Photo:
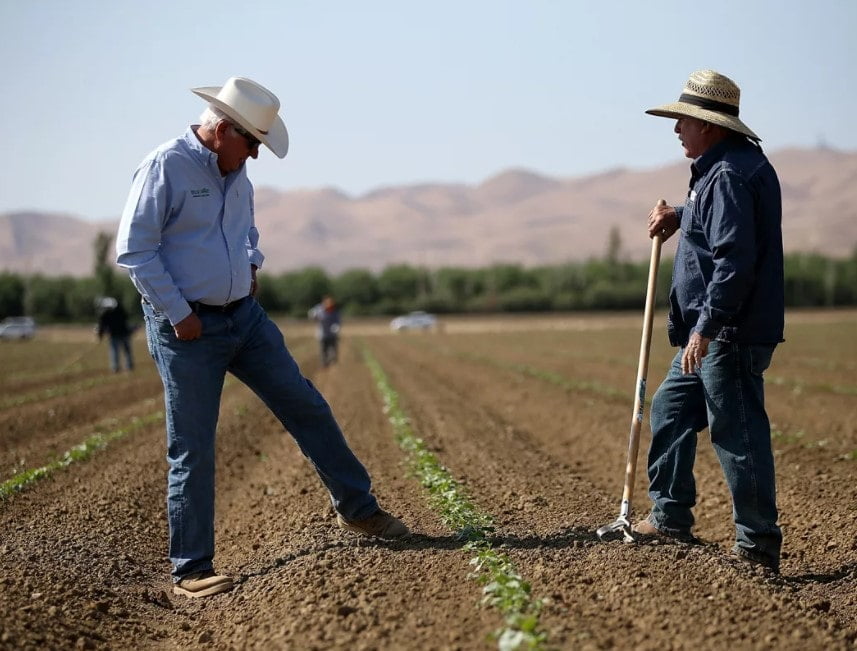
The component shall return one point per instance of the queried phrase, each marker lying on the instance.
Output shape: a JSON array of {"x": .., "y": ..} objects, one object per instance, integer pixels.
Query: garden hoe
[{"x": 623, "y": 524}]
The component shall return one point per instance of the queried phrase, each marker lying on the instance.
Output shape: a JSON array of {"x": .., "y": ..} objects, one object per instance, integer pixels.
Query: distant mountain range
[{"x": 516, "y": 216}]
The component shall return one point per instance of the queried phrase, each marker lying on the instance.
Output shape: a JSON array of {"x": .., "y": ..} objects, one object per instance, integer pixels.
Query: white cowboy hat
[
  {"x": 710, "y": 97},
  {"x": 253, "y": 107}
]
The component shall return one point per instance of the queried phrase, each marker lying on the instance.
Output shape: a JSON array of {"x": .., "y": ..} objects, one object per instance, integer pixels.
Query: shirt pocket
[
  {"x": 692, "y": 279},
  {"x": 690, "y": 222}
]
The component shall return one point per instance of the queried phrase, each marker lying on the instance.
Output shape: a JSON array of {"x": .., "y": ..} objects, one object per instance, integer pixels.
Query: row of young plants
[
  {"x": 502, "y": 585},
  {"x": 798, "y": 386},
  {"x": 93, "y": 444},
  {"x": 612, "y": 394},
  {"x": 54, "y": 391},
  {"x": 551, "y": 377}
]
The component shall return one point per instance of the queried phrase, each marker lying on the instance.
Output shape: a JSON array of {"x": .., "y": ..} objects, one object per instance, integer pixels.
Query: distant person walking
[
  {"x": 326, "y": 315},
  {"x": 113, "y": 322},
  {"x": 726, "y": 314},
  {"x": 188, "y": 239}
]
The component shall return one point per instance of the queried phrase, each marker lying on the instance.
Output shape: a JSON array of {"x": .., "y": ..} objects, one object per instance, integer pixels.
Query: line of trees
[{"x": 604, "y": 284}]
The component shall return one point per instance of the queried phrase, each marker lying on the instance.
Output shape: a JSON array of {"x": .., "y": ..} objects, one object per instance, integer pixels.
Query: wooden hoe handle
[{"x": 642, "y": 372}]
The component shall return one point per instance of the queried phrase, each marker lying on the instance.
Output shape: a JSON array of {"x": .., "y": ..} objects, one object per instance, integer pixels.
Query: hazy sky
[{"x": 395, "y": 92}]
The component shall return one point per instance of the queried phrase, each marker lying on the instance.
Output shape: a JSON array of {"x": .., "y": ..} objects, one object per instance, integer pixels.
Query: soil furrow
[
  {"x": 83, "y": 552},
  {"x": 444, "y": 400}
]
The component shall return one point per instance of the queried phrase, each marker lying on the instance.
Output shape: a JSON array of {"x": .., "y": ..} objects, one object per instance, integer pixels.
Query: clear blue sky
[{"x": 396, "y": 92}]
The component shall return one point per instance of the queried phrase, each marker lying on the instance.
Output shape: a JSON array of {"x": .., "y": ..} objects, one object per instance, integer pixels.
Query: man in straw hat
[
  {"x": 188, "y": 240},
  {"x": 726, "y": 314}
]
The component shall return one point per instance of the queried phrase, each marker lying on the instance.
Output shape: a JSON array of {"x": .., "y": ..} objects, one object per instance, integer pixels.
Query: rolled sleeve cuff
[
  {"x": 707, "y": 328},
  {"x": 178, "y": 312},
  {"x": 256, "y": 257}
]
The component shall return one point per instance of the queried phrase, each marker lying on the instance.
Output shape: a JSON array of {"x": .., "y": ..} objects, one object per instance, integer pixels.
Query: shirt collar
[
  {"x": 200, "y": 151},
  {"x": 706, "y": 160},
  {"x": 207, "y": 157}
]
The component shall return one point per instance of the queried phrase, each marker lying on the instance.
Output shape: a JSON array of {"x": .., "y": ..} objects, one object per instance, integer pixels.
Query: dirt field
[{"x": 529, "y": 415}]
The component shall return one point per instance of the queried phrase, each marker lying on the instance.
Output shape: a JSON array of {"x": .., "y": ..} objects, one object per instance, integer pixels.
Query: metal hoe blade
[{"x": 612, "y": 531}]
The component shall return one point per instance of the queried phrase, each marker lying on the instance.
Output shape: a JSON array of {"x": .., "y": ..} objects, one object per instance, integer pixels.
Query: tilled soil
[{"x": 528, "y": 417}]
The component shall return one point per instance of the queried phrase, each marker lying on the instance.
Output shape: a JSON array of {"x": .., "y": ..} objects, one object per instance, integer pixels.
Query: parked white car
[
  {"x": 17, "y": 327},
  {"x": 418, "y": 320}
]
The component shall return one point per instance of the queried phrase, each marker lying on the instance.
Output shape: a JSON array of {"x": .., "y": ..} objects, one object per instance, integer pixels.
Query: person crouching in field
[
  {"x": 188, "y": 240},
  {"x": 726, "y": 314}
]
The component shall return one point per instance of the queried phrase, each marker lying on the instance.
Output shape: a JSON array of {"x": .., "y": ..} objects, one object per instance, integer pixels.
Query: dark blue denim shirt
[{"x": 728, "y": 271}]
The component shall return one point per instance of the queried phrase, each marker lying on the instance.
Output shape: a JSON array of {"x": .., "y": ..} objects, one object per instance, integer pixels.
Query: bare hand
[
  {"x": 189, "y": 328},
  {"x": 696, "y": 349},
  {"x": 663, "y": 221}
]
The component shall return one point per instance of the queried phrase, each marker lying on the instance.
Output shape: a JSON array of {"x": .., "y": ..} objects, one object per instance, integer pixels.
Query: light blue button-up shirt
[{"x": 187, "y": 233}]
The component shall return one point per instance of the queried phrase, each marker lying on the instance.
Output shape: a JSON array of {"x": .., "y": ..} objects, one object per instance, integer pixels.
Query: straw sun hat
[
  {"x": 711, "y": 97},
  {"x": 253, "y": 107}
]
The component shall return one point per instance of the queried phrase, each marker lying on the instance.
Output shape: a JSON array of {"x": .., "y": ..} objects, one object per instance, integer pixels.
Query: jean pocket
[
  {"x": 760, "y": 358},
  {"x": 150, "y": 333}
]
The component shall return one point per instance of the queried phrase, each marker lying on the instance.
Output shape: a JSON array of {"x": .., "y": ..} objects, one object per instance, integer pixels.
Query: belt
[{"x": 198, "y": 307}]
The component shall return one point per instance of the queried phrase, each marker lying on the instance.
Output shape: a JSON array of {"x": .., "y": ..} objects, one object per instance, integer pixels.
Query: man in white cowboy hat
[
  {"x": 726, "y": 315},
  {"x": 188, "y": 240}
]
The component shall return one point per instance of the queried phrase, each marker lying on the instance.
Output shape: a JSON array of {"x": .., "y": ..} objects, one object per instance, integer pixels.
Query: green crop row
[
  {"x": 798, "y": 386},
  {"x": 81, "y": 452},
  {"x": 502, "y": 586},
  {"x": 94, "y": 443},
  {"x": 55, "y": 391},
  {"x": 551, "y": 377}
]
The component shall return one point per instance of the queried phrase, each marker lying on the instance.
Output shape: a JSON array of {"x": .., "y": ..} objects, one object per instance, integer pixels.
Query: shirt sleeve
[
  {"x": 253, "y": 252},
  {"x": 139, "y": 237},
  {"x": 731, "y": 235}
]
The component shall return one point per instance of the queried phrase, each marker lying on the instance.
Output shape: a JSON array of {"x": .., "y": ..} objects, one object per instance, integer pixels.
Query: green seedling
[
  {"x": 80, "y": 452},
  {"x": 503, "y": 588},
  {"x": 54, "y": 392}
]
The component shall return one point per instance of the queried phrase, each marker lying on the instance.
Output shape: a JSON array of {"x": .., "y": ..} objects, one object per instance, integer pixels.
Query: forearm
[{"x": 155, "y": 284}]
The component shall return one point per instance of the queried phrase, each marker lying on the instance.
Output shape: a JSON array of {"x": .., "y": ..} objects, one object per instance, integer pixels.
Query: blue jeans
[
  {"x": 120, "y": 345},
  {"x": 727, "y": 396},
  {"x": 249, "y": 345},
  {"x": 329, "y": 347}
]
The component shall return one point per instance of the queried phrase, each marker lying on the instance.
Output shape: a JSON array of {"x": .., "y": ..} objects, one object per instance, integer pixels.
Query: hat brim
[
  {"x": 680, "y": 110},
  {"x": 277, "y": 138}
]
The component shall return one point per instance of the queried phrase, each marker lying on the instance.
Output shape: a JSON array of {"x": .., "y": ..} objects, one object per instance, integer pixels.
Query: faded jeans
[
  {"x": 727, "y": 396},
  {"x": 119, "y": 345},
  {"x": 329, "y": 346},
  {"x": 246, "y": 343}
]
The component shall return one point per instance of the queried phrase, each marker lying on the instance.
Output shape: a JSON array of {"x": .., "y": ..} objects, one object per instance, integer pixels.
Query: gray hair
[{"x": 211, "y": 116}]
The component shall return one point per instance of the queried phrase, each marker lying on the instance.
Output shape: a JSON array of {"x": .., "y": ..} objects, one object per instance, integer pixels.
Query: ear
[
  {"x": 219, "y": 135},
  {"x": 714, "y": 130},
  {"x": 221, "y": 129}
]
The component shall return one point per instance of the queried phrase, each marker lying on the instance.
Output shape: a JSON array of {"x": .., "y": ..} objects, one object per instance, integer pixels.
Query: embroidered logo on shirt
[{"x": 202, "y": 192}]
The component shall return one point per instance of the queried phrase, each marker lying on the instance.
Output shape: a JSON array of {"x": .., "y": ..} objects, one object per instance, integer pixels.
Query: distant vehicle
[
  {"x": 418, "y": 320},
  {"x": 17, "y": 327}
]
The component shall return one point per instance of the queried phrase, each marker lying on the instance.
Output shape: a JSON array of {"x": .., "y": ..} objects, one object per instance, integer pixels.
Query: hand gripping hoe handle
[{"x": 623, "y": 524}]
